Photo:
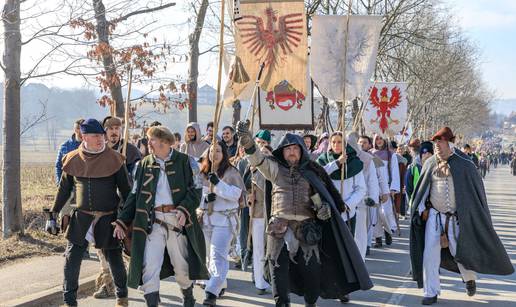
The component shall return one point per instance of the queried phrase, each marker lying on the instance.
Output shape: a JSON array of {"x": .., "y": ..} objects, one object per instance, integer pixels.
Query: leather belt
[
  {"x": 168, "y": 226},
  {"x": 97, "y": 214},
  {"x": 165, "y": 208}
]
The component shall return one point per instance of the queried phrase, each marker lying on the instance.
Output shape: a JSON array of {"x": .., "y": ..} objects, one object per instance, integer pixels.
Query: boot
[
  {"x": 378, "y": 243},
  {"x": 429, "y": 300},
  {"x": 388, "y": 238},
  {"x": 105, "y": 286},
  {"x": 122, "y": 302},
  {"x": 310, "y": 305},
  {"x": 471, "y": 287},
  {"x": 210, "y": 300},
  {"x": 188, "y": 298},
  {"x": 344, "y": 299},
  {"x": 152, "y": 299}
]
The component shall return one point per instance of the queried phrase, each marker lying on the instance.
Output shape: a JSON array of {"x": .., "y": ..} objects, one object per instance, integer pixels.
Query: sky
[{"x": 491, "y": 25}]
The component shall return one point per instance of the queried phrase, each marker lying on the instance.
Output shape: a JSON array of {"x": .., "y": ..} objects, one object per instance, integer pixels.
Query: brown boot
[{"x": 122, "y": 302}]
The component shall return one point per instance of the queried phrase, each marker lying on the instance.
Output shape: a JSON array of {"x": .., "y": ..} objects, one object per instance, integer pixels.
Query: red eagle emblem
[
  {"x": 384, "y": 104},
  {"x": 262, "y": 40}
]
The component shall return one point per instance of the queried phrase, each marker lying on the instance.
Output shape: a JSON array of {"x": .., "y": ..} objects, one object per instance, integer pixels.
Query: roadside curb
[{"x": 51, "y": 295}]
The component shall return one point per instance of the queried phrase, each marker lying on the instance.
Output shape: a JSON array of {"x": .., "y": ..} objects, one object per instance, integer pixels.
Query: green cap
[{"x": 264, "y": 135}]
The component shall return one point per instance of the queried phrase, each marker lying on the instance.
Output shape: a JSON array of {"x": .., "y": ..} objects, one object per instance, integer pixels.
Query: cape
[
  {"x": 343, "y": 269},
  {"x": 478, "y": 246},
  {"x": 80, "y": 163}
]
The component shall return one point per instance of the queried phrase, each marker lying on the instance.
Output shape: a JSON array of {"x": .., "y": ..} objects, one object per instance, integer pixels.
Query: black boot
[
  {"x": 378, "y": 243},
  {"x": 188, "y": 298},
  {"x": 281, "y": 304},
  {"x": 310, "y": 305},
  {"x": 344, "y": 298},
  {"x": 210, "y": 300},
  {"x": 388, "y": 238},
  {"x": 471, "y": 287},
  {"x": 429, "y": 300},
  {"x": 152, "y": 299}
]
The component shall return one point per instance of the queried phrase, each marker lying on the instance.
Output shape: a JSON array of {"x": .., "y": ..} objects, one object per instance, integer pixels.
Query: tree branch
[{"x": 144, "y": 11}]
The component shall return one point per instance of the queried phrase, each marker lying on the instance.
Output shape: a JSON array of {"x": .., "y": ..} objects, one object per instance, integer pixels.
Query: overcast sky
[{"x": 490, "y": 24}]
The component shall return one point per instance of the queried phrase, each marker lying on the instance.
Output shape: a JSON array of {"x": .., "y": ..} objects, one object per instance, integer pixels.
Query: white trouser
[
  {"x": 218, "y": 238},
  {"x": 177, "y": 247},
  {"x": 432, "y": 253},
  {"x": 258, "y": 237},
  {"x": 386, "y": 219},
  {"x": 361, "y": 230}
]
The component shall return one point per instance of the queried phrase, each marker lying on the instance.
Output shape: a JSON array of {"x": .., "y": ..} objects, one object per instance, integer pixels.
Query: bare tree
[
  {"x": 12, "y": 218},
  {"x": 199, "y": 7}
]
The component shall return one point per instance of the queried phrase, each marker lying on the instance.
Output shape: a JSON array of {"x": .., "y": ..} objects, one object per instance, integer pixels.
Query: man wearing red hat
[{"x": 451, "y": 225}]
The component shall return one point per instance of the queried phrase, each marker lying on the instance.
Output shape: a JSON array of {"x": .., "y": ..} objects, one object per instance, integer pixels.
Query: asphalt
[{"x": 389, "y": 269}]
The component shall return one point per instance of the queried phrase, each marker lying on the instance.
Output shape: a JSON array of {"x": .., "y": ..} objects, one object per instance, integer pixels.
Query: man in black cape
[
  {"x": 451, "y": 225},
  {"x": 309, "y": 249}
]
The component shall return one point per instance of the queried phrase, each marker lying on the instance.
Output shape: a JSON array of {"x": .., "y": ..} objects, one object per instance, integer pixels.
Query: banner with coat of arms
[
  {"x": 329, "y": 58},
  {"x": 285, "y": 108},
  {"x": 385, "y": 112},
  {"x": 271, "y": 32}
]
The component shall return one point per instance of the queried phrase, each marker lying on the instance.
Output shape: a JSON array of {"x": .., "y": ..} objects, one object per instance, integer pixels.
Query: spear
[
  {"x": 127, "y": 107},
  {"x": 218, "y": 105},
  {"x": 343, "y": 119}
]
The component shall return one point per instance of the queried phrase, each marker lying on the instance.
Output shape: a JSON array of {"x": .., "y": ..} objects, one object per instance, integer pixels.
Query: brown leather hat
[
  {"x": 414, "y": 143},
  {"x": 444, "y": 133}
]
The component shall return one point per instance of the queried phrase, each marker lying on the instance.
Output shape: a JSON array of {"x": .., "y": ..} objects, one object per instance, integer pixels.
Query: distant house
[{"x": 206, "y": 95}]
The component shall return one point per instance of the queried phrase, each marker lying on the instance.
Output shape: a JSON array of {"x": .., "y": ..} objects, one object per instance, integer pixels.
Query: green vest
[{"x": 415, "y": 175}]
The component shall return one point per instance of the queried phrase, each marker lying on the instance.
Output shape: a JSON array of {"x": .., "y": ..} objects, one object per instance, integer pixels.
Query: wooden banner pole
[{"x": 218, "y": 106}]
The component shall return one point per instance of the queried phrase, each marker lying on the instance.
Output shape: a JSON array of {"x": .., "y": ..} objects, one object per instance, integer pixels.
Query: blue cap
[{"x": 92, "y": 126}]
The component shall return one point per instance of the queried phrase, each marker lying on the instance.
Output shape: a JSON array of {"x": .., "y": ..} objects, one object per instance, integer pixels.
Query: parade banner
[
  {"x": 385, "y": 112},
  {"x": 404, "y": 135},
  {"x": 328, "y": 54},
  {"x": 285, "y": 108},
  {"x": 271, "y": 32}
]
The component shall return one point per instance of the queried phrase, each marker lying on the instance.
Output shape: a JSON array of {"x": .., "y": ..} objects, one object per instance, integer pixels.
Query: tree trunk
[
  {"x": 12, "y": 218},
  {"x": 115, "y": 87},
  {"x": 193, "y": 69},
  {"x": 237, "y": 107}
]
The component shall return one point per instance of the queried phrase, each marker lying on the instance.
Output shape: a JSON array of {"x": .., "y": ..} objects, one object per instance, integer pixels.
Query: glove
[
  {"x": 51, "y": 226},
  {"x": 210, "y": 198},
  {"x": 244, "y": 137},
  {"x": 324, "y": 212},
  {"x": 369, "y": 202},
  {"x": 213, "y": 178}
]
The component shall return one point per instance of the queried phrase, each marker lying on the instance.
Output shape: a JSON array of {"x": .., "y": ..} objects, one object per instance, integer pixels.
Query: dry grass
[{"x": 38, "y": 192}]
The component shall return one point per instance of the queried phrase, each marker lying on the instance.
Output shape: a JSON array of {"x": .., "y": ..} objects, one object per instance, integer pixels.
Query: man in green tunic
[{"x": 166, "y": 237}]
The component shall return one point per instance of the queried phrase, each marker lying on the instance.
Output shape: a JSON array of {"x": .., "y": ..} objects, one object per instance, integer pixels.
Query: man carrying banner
[
  {"x": 309, "y": 249},
  {"x": 451, "y": 225}
]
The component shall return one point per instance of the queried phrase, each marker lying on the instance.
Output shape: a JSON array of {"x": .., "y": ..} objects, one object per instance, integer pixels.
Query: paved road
[{"x": 389, "y": 268}]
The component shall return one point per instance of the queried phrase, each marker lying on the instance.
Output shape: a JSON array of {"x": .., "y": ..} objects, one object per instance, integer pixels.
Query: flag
[
  {"x": 385, "y": 112},
  {"x": 328, "y": 54},
  {"x": 271, "y": 32},
  {"x": 286, "y": 108}
]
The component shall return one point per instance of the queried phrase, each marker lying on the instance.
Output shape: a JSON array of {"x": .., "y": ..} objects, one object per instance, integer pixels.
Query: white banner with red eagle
[
  {"x": 271, "y": 32},
  {"x": 327, "y": 53},
  {"x": 385, "y": 112}
]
